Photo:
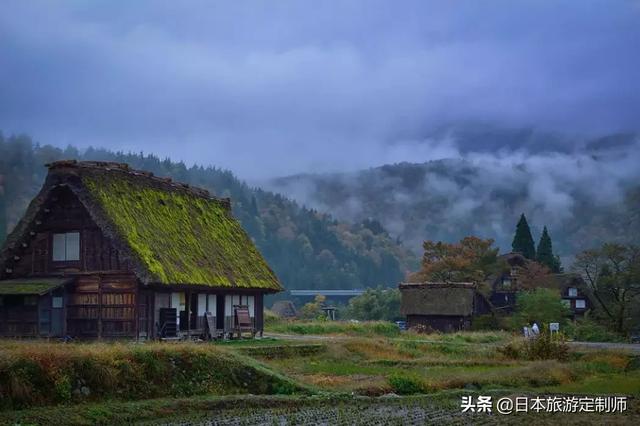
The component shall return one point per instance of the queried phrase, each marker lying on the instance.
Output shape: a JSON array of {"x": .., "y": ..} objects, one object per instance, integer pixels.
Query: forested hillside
[
  {"x": 585, "y": 197},
  {"x": 306, "y": 249}
]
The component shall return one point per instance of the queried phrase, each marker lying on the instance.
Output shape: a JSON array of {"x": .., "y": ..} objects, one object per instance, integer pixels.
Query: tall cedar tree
[
  {"x": 3, "y": 213},
  {"x": 523, "y": 241},
  {"x": 544, "y": 253}
]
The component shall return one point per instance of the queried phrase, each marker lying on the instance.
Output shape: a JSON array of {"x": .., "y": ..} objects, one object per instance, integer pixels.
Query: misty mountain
[
  {"x": 305, "y": 248},
  {"x": 585, "y": 195}
]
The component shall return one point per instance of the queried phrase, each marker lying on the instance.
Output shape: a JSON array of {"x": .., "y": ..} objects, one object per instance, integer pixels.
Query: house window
[
  {"x": 580, "y": 304},
  {"x": 66, "y": 247},
  {"x": 573, "y": 292},
  {"x": 506, "y": 283},
  {"x": 566, "y": 303},
  {"x": 56, "y": 302}
]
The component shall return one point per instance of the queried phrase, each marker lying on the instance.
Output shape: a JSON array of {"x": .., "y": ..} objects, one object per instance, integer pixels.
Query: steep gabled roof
[
  {"x": 454, "y": 299},
  {"x": 170, "y": 232}
]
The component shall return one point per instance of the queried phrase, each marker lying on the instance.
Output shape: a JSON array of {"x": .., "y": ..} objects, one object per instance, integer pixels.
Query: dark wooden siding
[
  {"x": 18, "y": 319},
  {"x": 259, "y": 301},
  {"x": 444, "y": 323},
  {"x": 102, "y": 305},
  {"x": 63, "y": 212}
]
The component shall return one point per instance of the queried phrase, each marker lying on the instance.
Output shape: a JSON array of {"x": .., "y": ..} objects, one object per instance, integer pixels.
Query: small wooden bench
[{"x": 243, "y": 320}]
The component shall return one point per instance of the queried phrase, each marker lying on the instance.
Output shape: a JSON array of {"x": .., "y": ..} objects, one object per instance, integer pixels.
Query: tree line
[{"x": 305, "y": 248}]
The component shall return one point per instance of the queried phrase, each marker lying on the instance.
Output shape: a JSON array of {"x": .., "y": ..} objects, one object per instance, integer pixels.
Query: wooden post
[
  {"x": 65, "y": 300},
  {"x": 136, "y": 311},
  {"x": 187, "y": 308},
  {"x": 99, "y": 307}
]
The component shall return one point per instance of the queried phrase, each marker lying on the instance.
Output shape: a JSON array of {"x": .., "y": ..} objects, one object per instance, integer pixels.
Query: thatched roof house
[
  {"x": 524, "y": 274},
  {"x": 162, "y": 244},
  {"x": 441, "y": 306}
]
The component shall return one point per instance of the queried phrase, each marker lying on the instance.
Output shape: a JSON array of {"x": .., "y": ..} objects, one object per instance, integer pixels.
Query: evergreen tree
[
  {"x": 545, "y": 254},
  {"x": 523, "y": 241},
  {"x": 253, "y": 210}
]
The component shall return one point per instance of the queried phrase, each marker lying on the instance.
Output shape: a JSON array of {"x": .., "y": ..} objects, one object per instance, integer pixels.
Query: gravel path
[{"x": 632, "y": 347}]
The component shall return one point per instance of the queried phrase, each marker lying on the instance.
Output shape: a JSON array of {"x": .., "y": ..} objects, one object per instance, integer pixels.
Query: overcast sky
[{"x": 276, "y": 87}]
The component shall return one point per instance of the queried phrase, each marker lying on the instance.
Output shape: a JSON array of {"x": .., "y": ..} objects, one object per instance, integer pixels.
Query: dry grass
[{"x": 377, "y": 349}]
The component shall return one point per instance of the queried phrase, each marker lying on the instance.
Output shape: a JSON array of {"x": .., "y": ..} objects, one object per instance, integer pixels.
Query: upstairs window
[
  {"x": 66, "y": 247},
  {"x": 580, "y": 304},
  {"x": 573, "y": 292}
]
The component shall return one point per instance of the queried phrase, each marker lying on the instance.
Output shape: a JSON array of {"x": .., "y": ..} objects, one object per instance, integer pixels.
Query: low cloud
[
  {"x": 481, "y": 193},
  {"x": 273, "y": 89}
]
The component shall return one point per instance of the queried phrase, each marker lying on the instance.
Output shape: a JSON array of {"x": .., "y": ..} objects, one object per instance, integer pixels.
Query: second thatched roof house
[
  {"x": 107, "y": 251},
  {"x": 441, "y": 306}
]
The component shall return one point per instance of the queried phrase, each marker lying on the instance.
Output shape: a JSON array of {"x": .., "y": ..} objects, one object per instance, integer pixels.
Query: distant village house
[
  {"x": 452, "y": 306},
  {"x": 443, "y": 307}
]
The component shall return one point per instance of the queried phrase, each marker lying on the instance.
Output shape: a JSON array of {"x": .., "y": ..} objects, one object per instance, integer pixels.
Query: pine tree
[
  {"x": 523, "y": 241},
  {"x": 545, "y": 252},
  {"x": 253, "y": 209}
]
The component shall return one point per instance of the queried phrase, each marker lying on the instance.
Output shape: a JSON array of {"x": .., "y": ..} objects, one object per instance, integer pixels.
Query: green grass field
[{"x": 362, "y": 365}]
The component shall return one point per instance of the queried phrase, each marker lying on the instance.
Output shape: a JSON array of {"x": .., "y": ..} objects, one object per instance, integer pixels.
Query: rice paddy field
[{"x": 366, "y": 373}]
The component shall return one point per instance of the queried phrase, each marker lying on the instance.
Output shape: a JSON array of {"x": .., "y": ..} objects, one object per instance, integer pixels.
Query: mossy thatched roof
[
  {"x": 28, "y": 286},
  {"x": 170, "y": 232},
  {"x": 450, "y": 299}
]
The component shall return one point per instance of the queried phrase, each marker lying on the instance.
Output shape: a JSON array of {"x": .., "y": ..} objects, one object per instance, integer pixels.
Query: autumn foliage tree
[
  {"x": 612, "y": 274},
  {"x": 533, "y": 275},
  {"x": 470, "y": 259}
]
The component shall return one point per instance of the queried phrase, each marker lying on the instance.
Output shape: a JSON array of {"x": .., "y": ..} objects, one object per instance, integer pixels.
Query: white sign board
[{"x": 554, "y": 326}]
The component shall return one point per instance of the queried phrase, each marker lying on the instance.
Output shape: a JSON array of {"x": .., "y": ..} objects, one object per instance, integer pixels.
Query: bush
[
  {"x": 271, "y": 317},
  {"x": 406, "y": 385},
  {"x": 375, "y": 304},
  {"x": 36, "y": 374},
  {"x": 541, "y": 305},
  {"x": 485, "y": 322},
  {"x": 544, "y": 347},
  {"x": 587, "y": 330}
]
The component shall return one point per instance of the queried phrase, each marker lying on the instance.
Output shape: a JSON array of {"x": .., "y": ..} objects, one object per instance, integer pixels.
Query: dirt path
[{"x": 631, "y": 347}]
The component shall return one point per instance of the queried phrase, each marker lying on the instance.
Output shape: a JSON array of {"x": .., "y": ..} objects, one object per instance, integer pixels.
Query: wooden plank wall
[
  {"x": 16, "y": 319},
  {"x": 63, "y": 212},
  {"x": 103, "y": 305}
]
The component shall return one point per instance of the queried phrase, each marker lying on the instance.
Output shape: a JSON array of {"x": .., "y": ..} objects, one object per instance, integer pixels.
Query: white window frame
[
  {"x": 572, "y": 292},
  {"x": 251, "y": 303},
  {"x": 581, "y": 302},
  {"x": 67, "y": 252},
  {"x": 57, "y": 302},
  {"x": 212, "y": 303},
  {"x": 202, "y": 304}
]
